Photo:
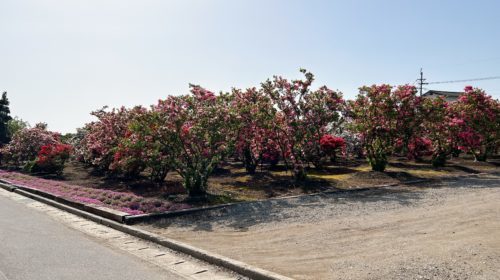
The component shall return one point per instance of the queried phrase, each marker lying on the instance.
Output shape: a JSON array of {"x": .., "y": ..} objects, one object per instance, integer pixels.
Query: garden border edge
[{"x": 100, "y": 211}]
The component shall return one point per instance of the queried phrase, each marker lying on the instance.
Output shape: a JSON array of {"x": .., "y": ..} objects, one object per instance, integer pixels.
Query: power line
[{"x": 466, "y": 80}]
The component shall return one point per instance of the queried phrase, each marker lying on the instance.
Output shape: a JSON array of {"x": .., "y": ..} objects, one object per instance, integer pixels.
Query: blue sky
[{"x": 59, "y": 59}]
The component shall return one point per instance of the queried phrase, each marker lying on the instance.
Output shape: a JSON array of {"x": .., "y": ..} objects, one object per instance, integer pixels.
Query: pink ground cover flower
[{"x": 126, "y": 202}]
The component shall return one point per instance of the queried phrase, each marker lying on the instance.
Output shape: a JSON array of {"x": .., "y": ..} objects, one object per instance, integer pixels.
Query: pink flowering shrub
[
  {"x": 198, "y": 128},
  {"x": 146, "y": 145},
  {"x": 389, "y": 120},
  {"x": 322, "y": 112},
  {"x": 409, "y": 117},
  {"x": 301, "y": 119},
  {"x": 419, "y": 147},
  {"x": 476, "y": 119},
  {"x": 282, "y": 120},
  {"x": 126, "y": 202},
  {"x": 103, "y": 136},
  {"x": 374, "y": 118},
  {"x": 255, "y": 139},
  {"x": 27, "y": 143},
  {"x": 436, "y": 127}
]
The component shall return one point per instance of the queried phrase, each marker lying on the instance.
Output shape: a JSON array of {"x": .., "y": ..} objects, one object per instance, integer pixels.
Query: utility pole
[{"x": 421, "y": 81}]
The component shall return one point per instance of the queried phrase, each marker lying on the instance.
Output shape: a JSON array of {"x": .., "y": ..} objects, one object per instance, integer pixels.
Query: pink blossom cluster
[
  {"x": 27, "y": 144},
  {"x": 475, "y": 120},
  {"x": 122, "y": 201},
  {"x": 103, "y": 136}
]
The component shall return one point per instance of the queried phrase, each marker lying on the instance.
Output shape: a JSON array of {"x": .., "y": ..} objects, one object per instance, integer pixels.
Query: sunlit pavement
[{"x": 41, "y": 242}]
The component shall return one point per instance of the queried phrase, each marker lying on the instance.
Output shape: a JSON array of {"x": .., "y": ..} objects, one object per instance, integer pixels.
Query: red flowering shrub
[
  {"x": 271, "y": 155},
  {"x": 419, "y": 147},
  {"x": 51, "y": 158},
  {"x": 330, "y": 145}
]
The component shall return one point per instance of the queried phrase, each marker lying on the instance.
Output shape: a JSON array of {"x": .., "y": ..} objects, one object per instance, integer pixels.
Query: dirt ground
[
  {"x": 230, "y": 182},
  {"x": 448, "y": 230}
]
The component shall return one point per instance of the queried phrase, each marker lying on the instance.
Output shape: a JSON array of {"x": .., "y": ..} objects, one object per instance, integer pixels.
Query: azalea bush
[
  {"x": 374, "y": 118},
  {"x": 477, "y": 119},
  {"x": 418, "y": 147},
  {"x": 103, "y": 136},
  {"x": 409, "y": 117},
  {"x": 330, "y": 145},
  {"x": 321, "y": 111},
  {"x": 51, "y": 159},
  {"x": 36, "y": 150},
  {"x": 437, "y": 127},
  {"x": 255, "y": 138},
  {"x": 26, "y": 144},
  {"x": 147, "y": 145},
  {"x": 198, "y": 128},
  {"x": 303, "y": 117},
  {"x": 281, "y": 121}
]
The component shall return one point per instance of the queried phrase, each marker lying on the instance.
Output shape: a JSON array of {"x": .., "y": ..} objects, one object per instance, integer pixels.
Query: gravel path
[{"x": 449, "y": 230}]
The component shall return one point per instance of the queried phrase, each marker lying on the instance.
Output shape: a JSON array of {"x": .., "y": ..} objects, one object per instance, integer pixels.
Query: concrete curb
[
  {"x": 97, "y": 210},
  {"x": 134, "y": 219},
  {"x": 215, "y": 259},
  {"x": 8, "y": 187}
]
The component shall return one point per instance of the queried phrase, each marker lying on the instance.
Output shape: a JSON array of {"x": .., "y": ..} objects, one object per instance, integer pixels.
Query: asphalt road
[{"x": 34, "y": 246}]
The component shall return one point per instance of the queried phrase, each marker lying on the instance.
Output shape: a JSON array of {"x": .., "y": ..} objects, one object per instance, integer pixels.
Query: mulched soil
[{"x": 231, "y": 183}]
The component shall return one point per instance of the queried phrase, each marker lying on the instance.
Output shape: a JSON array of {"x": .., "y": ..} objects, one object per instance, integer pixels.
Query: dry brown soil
[
  {"x": 230, "y": 182},
  {"x": 447, "y": 230}
]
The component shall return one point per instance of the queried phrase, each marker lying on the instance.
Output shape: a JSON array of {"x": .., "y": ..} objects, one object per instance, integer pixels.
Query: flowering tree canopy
[
  {"x": 147, "y": 145},
  {"x": 27, "y": 143},
  {"x": 408, "y": 107},
  {"x": 436, "y": 126},
  {"x": 280, "y": 120},
  {"x": 255, "y": 139},
  {"x": 199, "y": 130},
  {"x": 302, "y": 118},
  {"x": 374, "y": 118},
  {"x": 477, "y": 118},
  {"x": 103, "y": 136}
]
